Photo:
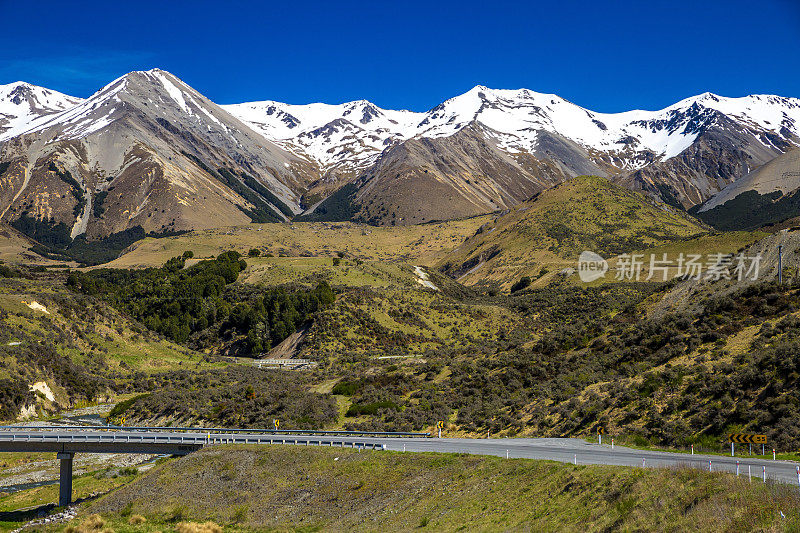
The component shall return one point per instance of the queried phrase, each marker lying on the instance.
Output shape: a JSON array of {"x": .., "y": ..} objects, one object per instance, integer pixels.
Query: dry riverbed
[{"x": 26, "y": 468}]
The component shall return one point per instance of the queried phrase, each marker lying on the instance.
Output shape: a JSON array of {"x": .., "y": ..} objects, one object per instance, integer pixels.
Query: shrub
[
  {"x": 370, "y": 408},
  {"x": 523, "y": 283},
  {"x": 123, "y": 406},
  {"x": 345, "y": 388}
]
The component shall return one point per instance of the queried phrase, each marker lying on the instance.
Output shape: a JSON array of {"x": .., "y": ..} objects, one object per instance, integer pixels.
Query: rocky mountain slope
[
  {"x": 682, "y": 154},
  {"x": 146, "y": 150}
]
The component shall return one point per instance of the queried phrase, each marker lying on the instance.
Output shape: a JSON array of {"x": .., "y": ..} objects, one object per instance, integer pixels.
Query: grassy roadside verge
[
  {"x": 786, "y": 456},
  {"x": 89, "y": 485},
  {"x": 310, "y": 489}
]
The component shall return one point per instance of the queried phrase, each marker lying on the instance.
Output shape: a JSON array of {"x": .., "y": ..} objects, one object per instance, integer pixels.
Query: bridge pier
[{"x": 65, "y": 479}]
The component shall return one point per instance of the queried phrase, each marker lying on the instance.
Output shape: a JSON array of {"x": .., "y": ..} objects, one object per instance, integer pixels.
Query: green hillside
[
  {"x": 552, "y": 229},
  {"x": 398, "y": 346},
  {"x": 83, "y": 349}
]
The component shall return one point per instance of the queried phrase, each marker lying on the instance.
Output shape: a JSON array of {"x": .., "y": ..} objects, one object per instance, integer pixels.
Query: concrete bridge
[{"x": 291, "y": 364}]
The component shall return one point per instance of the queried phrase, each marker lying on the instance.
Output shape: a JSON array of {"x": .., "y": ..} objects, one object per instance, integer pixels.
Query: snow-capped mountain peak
[
  {"x": 22, "y": 103},
  {"x": 155, "y": 87}
]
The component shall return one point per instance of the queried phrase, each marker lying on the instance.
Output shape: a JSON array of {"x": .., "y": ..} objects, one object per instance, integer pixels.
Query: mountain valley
[{"x": 423, "y": 262}]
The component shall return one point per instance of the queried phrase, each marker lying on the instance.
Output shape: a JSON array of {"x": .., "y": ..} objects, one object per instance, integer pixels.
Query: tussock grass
[
  {"x": 193, "y": 527},
  {"x": 418, "y": 243},
  {"x": 136, "y": 520},
  {"x": 93, "y": 523}
]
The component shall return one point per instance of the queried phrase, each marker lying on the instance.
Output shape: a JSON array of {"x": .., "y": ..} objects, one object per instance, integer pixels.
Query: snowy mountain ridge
[
  {"x": 356, "y": 132},
  {"x": 349, "y": 137}
]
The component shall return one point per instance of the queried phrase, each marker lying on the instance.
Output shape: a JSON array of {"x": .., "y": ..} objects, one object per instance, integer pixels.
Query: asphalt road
[
  {"x": 562, "y": 450},
  {"x": 584, "y": 453}
]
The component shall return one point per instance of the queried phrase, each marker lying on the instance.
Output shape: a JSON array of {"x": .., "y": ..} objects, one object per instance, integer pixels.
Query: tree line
[{"x": 202, "y": 303}]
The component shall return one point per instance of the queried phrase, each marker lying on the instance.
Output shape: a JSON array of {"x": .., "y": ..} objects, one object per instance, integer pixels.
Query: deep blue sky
[{"x": 604, "y": 55}]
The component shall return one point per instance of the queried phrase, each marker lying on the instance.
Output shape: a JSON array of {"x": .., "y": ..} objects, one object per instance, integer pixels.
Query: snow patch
[{"x": 174, "y": 92}]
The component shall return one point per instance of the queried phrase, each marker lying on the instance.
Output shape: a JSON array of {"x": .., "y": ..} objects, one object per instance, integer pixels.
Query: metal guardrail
[
  {"x": 204, "y": 440},
  {"x": 283, "y": 362},
  {"x": 325, "y": 433}
]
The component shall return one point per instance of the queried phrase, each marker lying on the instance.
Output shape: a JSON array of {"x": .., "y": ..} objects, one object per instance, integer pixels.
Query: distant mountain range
[{"x": 150, "y": 153}]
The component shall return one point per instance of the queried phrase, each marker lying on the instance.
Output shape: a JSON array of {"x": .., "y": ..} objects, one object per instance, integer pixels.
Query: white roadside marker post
[
  {"x": 692, "y": 449},
  {"x": 575, "y": 459},
  {"x": 599, "y": 439},
  {"x": 612, "y": 443},
  {"x": 737, "y": 468},
  {"x": 798, "y": 476},
  {"x": 709, "y": 465},
  {"x": 764, "y": 473},
  {"x": 773, "y": 454},
  {"x": 643, "y": 463},
  {"x": 762, "y": 449},
  {"x": 749, "y": 475},
  {"x": 732, "y": 449},
  {"x": 506, "y": 454}
]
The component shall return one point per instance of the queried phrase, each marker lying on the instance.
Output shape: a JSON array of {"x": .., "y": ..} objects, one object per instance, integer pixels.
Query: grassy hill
[
  {"x": 15, "y": 247},
  {"x": 83, "y": 349},
  {"x": 397, "y": 322},
  {"x": 339, "y": 272},
  {"x": 552, "y": 229},
  {"x": 312, "y": 489},
  {"x": 562, "y": 359},
  {"x": 572, "y": 359}
]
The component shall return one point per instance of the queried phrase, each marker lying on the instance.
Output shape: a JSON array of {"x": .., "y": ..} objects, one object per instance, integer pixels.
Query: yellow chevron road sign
[{"x": 747, "y": 438}]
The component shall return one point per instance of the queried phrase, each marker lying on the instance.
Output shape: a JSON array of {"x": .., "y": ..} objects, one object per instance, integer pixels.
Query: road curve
[
  {"x": 584, "y": 453},
  {"x": 562, "y": 450}
]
